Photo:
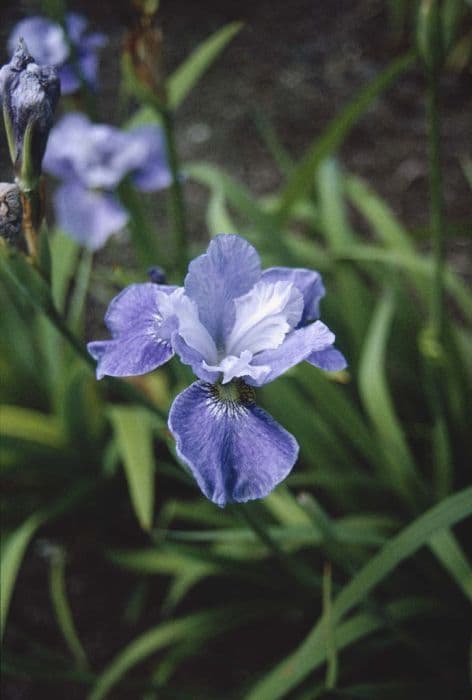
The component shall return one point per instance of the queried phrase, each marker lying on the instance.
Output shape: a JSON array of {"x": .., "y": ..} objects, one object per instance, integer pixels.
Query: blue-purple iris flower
[
  {"x": 73, "y": 51},
  {"x": 91, "y": 160},
  {"x": 238, "y": 327}
]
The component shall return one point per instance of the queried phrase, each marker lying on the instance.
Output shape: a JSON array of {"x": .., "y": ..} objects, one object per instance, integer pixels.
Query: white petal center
[
  {"x": 264, "y": 316},
  {"x": 233, "y": 366}
]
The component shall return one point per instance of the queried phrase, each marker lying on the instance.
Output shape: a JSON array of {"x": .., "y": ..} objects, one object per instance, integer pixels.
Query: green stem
[
  {"x": 298, "y": 571},
  {"x": 82, "y": 279},
  {"x": 176, "y": 195},
  {"x": 442, "y": 451},
  {"x": 144, "y": 237},
  {"x": 436, "y": 205}
]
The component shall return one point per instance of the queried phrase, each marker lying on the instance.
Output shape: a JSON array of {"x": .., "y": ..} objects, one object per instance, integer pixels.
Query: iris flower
[
  {"x": 91, "y": 160},
  {"x": 239, "y": 328},
  {"x": 71, "y": 50}
]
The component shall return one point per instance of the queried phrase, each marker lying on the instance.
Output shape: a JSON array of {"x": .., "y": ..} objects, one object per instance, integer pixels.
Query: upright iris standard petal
[
  {"x": 308, "y": 282},
  {"x": 87, "y": 216},
  {"x": 236, "y": 451},
  {"x": 141, "y": 333},
  {"x": 229, "y": 269},
  {"x": 263, "y": 317}
]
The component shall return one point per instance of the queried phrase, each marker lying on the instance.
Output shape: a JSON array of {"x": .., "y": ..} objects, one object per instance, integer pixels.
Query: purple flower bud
[
  {"x": 29, "y": 95},
  {"x": 157, "y": 275}
]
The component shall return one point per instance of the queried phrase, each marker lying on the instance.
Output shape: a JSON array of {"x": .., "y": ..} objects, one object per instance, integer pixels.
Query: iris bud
[
  {"x": 429, "y": 34},
  {"x": 29, "y": 95}
]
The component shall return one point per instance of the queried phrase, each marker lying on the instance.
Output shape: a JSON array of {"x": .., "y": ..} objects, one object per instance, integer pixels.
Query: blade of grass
[
  {"x": 186, "y": 76},
  {"x": 300, "y": 663},
  {"x": 396, "y": 464},
  {"x": 202, "y": 626},
  {"x": 134, "y": 437},
  {"x": 57, "y": 588},
  {"x": 301, "y": 179}
]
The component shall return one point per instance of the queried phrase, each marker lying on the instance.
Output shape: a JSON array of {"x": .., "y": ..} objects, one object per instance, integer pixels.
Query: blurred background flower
[
  {"x": 92, "y": 160},
  {"x": 69, "y": 48}
]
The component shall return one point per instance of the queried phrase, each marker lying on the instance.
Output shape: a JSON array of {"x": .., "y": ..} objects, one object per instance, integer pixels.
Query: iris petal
[
  {"x": 264, "y": 316},
  {"x": 236, "y": 451},
  {"x": 130, "y": 355},
  {"x": 89, "y": 217},
  {"x": 308, "y": 282},
  {"x": 297, "y": 346},
  {"x": 229, "y": 269},
  {"x": 141, "y": 333}
]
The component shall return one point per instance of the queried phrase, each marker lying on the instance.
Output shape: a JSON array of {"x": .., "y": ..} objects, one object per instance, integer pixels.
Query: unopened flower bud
[
  {"x": 429, "y": 34},
  {"x": 11, "y": 212},
  {"x": 157, "y": 275},
  {"x": 29, "y": 95}
]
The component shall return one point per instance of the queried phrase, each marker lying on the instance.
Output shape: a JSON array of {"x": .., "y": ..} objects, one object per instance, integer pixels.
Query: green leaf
[
  {"x": 311, "y": 652},
  {"x": 236, "y": 194},
  {"x": 218, "y": 218},
  {"x": 57, "y": 588},
  {"x": 301, "y": 179},
  {"x": 333, "y": 219},
  {"x": 31, "y": 426},
  {"x": 397, "y": 460},
  {"x": 200, "y": 626},
  {"x": 14, "y": 548},
  {"x": 382, "y": 220},
  {"x": 181, "y": 82},
  {"x": 448, "y": 551},
  {"x": 134, "y": 436},
  {"x": 13, "y": 551}
]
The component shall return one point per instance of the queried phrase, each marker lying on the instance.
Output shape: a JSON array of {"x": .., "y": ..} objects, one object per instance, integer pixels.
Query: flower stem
[
  {"x": 177, "y": 206},
  {"x": 436, "y": 205},
  {"x": 442, "y": 451},
  {"x": 31, "y": 201}
]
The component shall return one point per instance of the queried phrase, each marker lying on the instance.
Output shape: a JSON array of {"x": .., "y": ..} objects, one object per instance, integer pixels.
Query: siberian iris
[
  {"x": 91, "y": 160},
  {"x": 238, "y": 327},
  {"x": 70, "y": 49}
]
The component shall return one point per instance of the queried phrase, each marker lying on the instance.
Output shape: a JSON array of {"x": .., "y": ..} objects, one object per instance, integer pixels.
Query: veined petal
[
  {"x": 264, "y": 316},
  {"x": 190, "y": 356},
  {"x": 331, "y": 360},
  {"x": 297, "y": 346},
  {"x": 232, "y": 366},
  {"x": 130, "y": 355},
  {"x": 229, "y": 269},
  {"x": 190, "y": 328},
  {"x": 308, "y": 282},
  {"x": 137, "y": 306},
  {"x": 88, "y": 217},
  {"x": 142, "y": 331},
  {"x": 236, "y": 451}
]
